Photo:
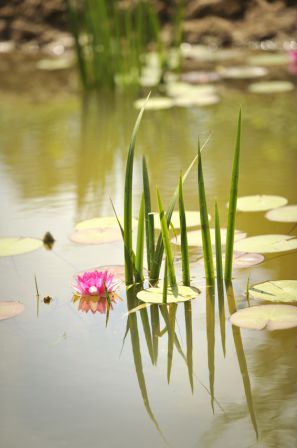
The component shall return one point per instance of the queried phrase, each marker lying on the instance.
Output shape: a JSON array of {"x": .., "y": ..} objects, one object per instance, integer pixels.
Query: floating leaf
[
  {"x": 10, "y": 309},
  {"x": 55, "y": 64},
  {"x": 18, "y": 245},
  {"x": 242, "y": 72},
  {"x": 275, "y": 291},
  {"x": 96, "y": 236},
  {"x": 195, "y": 237},
  {"x": 283, "y": 214},
  {"x": 242, "y": 260},
  {"x": 271, "y": 87},
  {"x": 105, "y": 222},
  {"x": 259, "y": 203},
  {"x": 155, "y": 103},
  {"x": 192, "y": 218},
  {"x": 190, "y": 100},
  {"x": 269, "y": 59},
  {"x": 197, "y": 77},
  {"x": 266, "y": 244},
  {"x": 182, "y": 89},
  {"x": 155, "y": 294},
  {"x": 266, "y": 317}
]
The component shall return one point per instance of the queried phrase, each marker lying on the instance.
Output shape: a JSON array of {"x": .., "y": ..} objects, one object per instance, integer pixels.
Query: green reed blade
[
  {"x": 232, "y": 205},
  {"x": 210, "y": 333},
  {"x": 140, "y": 244},
  {"x": 222, "y": 316},
  {"x": 189, "y": 336},
  {"x": 171, "y": 337},
  {"x": 147, "y": 333},
  {"x": 219, "y": 259},
  {"x": 128, "y": 203},
  {"x": 107, "y": 296},
  {"x": 184, "y": 238},
  {"x": 166, "y": 242},
  {"x": 149, "y": 217},
  {"x": 207, "y": 249},
  {"x": 155, "y": 323},
  {"x": 165, "y": 282}
]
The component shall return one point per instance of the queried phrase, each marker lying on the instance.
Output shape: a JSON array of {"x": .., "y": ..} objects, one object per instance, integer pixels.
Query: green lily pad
[
  {"x": 96, "y": 236},
  {"x": 283, "y": 214},
  {"x": 242, "y": 72},
  {"x": 275, "y": 291},
  {"x": 266, "y": 317},
  {"x": 155, "y": 294},
  {"x": 271, "y": 87},
  {"x": 195, "y": 237},
  {"x": 190, "y": 100},
  {"x": 182, "y": 89},
  {"x": 241, "y": 260},
  {"x": 18, "y": 245},
  {"x": 10, "y": 309},
  {"x": 259, "y": 203},
  {"x": 269, "y": 59},
  {"x": 105, "y": 222},
  {"x": 155, "y": 103},
  {"x": 192, "y": 218},
  {"x": 266, "y": 244}
]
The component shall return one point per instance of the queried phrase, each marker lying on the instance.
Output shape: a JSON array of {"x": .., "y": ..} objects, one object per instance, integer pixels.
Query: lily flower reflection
[{"x": 95, "y": 291}]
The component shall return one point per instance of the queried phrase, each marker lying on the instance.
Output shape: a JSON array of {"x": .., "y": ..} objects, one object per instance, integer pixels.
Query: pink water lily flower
[{"x": 93, "y": 284}]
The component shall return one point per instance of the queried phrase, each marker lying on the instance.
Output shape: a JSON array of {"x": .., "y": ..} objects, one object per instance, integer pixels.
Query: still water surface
[{"x": 64, "y": 380}]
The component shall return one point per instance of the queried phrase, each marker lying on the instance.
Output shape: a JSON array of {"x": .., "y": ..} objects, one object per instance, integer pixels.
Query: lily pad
[
  {"x": 266, "y": 317},
  {"x": 10, "y": 309},
  {"x": 283, "y": 214},
  {"x": 259, "y": 203},
  {"x": 269, "y": 59},
  {"x": 241, "y": 260},
  {"x": 242, "y": 72},
  {"x": 96, "y": 236},
  {"x": 271, "y": 87},
  {"x": 55, "y": 64},
  {"x": 182, "y": 89},
  {"x": 195, "y": 237},
  {"x": 155, "y": 103},
  {"x": 155, "y": 294},
  {"x": 192, "y": 218},
  {"x": 266, "y": 244},
  {"x": 105, "y": 222},
  {"x": 18, "y": 245},
  {"x": 197, "y": 77},
  {"x": 189, "y": 100},
  {"x": 275, "y": 291}
]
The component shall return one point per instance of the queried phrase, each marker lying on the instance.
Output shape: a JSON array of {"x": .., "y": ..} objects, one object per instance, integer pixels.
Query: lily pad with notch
[
  {"x": 155, "y": 294},
  {"x": 266, "y": 317},
  {"x": 266, "y": 244},
  {"x": 275, "y": 291},
  {"x": 259, "y": 203},
  {"x": 283, "y": 214}
]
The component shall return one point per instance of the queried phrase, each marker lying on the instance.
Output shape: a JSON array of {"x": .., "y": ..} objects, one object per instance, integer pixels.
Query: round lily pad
[
  {"x": 275, "y": 291},
  {"x": 10, "y": 309},
  {"x": 96, "y": 236},
  {"x": 242, "y": 72},
  {"x": 155, "y": 295},
  {"x": 197, "y": 77},
  {"x": 269, "y": 59},
  {"x": 190, "y": 100},
  {"x": 271, "y": 87},
  {"x": 266, "y": 244},
  {"x": 195, "y": 237},
  {"x": 18, "y": 245},
  {"x": 283, "y": 214},
  {"x": 266, "y": 317},
  {"x": 241, "y": 260},
  {"x": 259, "y": 203},
  {"x": 155, "y": 103},
  {"x": 182, "y": 89},
  {"x": 192, "y": 218},
  {"x": 105, "y": 222}
]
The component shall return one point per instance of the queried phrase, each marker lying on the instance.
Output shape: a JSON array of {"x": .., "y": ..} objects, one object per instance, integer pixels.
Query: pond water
[{"x": 65, "y": 379}]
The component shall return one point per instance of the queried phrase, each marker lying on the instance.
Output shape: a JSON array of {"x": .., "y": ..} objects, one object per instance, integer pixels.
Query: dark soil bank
[{"x": 219, "y": 22}]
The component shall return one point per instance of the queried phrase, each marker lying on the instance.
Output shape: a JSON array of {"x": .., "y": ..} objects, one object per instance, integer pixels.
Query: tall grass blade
[
  {"x": 155, "y": 324},
  {"x": 147, "y": 333},
  {"x": 232, "y": 205},
  {"x": 171, "y": 337},
  {"x": 241, "y": 358},
  {"x": 184, "y": 238},
  {"x": 207, "y": 250},
  {"x": 140, "y": 244},
  {"x": 165, "y": 282},
  {"x": 222, "y": 316},
  {"x": 189, "y": 338},
  {"x": 219, "y": 262},
  {"x": 156, "y": 266},
  {"x": 149, "y": 217},
  {"x": 129, "y": 279},
  {"x": 166, "y": 242},
  {"x": 210, "y": 332}
]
